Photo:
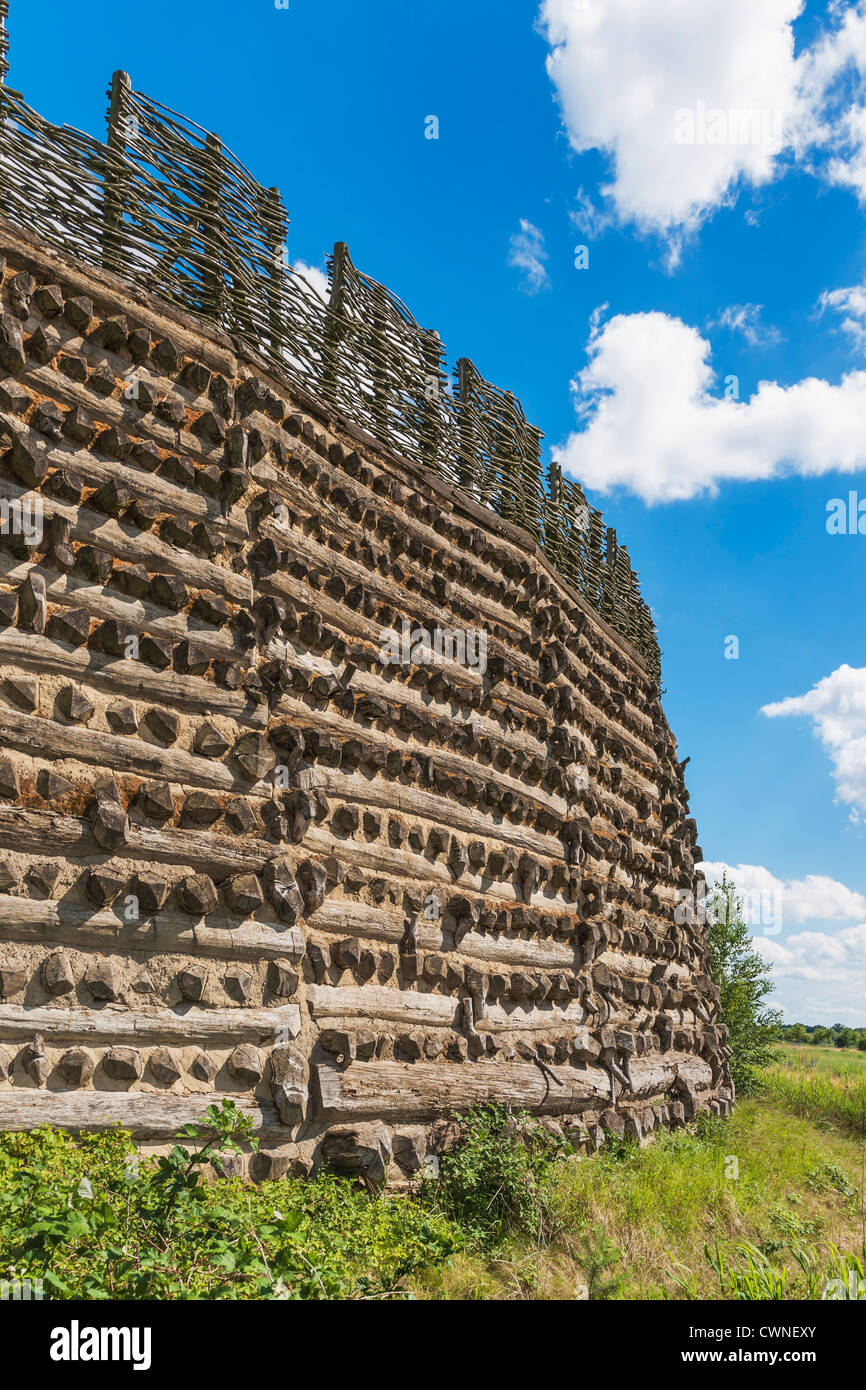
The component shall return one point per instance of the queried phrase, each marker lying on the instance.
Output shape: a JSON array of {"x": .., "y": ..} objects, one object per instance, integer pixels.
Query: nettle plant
[{"x": 180, "y": 1173}]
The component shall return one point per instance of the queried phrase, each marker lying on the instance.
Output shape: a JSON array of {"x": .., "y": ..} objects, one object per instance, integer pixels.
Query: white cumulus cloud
[
  {"x": 837, "y": 708},
  {"x": 626, "y": 70},
  {"x": 693, "y": 102},
  {"x": 654, "y": 421},
  {"x": 815, "y": 898},
  {"x": 819, "y": 976}
]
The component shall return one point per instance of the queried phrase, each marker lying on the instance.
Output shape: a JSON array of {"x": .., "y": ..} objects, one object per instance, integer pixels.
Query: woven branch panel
[
  {"x": 164, "y": 204},
  {"x": 243, "y": 854}
]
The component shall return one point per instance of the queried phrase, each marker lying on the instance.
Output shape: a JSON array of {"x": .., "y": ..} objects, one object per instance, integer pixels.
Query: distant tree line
[{"x": 836, "y": 1036}]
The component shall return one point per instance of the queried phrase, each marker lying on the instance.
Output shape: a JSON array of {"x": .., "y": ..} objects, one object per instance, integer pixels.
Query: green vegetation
[
  {"x": 825, "y": 1084},
  {"x": 493, "y": 1184},
  {"x": 768, "y": 1203},
  {"x": 92, "y": 1221},
  {"x": 744, "y": 983},
  {"x": 837, "y": 1036},
  {"x": 763, "y": 1204}
]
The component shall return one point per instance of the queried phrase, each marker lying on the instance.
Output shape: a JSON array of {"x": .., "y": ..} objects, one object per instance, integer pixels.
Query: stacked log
[{"x": 243, "y": 854}]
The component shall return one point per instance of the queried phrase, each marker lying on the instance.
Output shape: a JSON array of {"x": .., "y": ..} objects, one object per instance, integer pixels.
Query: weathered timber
[
  {"x": 153, "y": 1025},
  {"x": 146, "y": 1116},
  {"x": 222, "y": 937},
  {"x": 422, "y": 1091}
]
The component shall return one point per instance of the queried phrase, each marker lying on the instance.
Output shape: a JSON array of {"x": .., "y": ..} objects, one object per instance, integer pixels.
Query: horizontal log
[
  {"x": 504, "y": 950},
  {"x": 145, "y": 1115},
  {"x": 227, "y": 938},
  {"x": 620, "y": 964},
  {"x": 113, "y": 1023},
  {"x": 496, "y": 1018},
  {"x": 150, "y": 487},
  {"x": 369, "y": 683},
  {"x": 354, "y": 624},
  {"x": 186, "y": 694},
  {"x": 441, "y": 810},
  {"x": 652, "y": 1075},
  {"x": 140, "y": 547},
  {"x": 46, "y": 739},
  {"x": 107, "y": 409},
  {"x": 43, "y": 833},
  {"x": 344, "y": 917},
  {"x": 425, "y": 1090},
  {"x": 377, "y": 1004},
  {"x": 100, "y": 601},
  {"x": 402, "y": 864}
]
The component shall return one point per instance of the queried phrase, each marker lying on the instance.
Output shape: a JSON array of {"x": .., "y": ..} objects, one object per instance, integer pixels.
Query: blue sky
[{"x": 706, "y": 261}]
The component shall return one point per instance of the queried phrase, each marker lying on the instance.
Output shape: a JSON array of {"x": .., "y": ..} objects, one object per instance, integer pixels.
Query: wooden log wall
[{"x": 241, "y": 855}]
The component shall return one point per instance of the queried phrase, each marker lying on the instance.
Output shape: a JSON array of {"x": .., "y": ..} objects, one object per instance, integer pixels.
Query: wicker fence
[
  {"x": 164, "y": 204},
  {"x": 4, "y": 40}
]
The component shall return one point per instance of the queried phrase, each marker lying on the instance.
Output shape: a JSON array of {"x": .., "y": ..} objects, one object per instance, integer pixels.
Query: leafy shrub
[
  {"x": 493, "y": 1182},
  {"x": 618, "y": 1150},
  {"x": 92, "y": 1220},
  {"x": 788, "y": 1229},
  {"x": 744, "y": 981}
]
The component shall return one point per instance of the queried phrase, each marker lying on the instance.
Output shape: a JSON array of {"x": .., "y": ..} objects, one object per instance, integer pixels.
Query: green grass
[
  {"x": 841, "y": 1061},
  {"x": 824, "y": 1084},
  {"x": 757, "y": 1205},
  {"x": 636, "y": 1221}
]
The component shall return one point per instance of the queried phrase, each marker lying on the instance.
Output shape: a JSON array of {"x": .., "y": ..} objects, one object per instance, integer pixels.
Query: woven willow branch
[{"x": 4, "y": 39}]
